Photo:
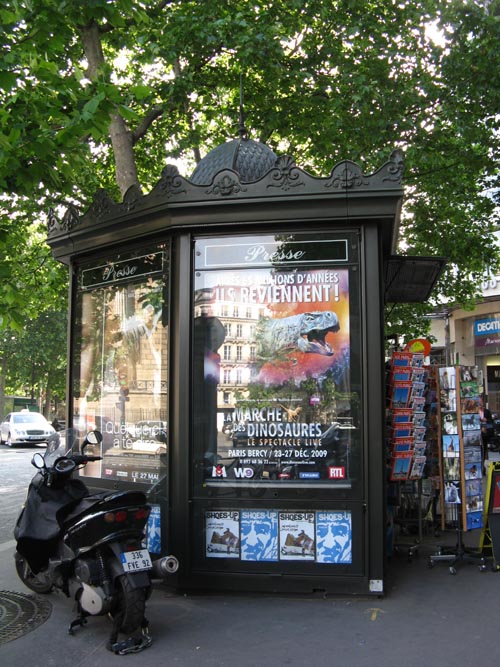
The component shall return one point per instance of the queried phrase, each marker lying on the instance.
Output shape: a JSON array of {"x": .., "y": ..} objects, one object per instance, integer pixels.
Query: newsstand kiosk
[{"x": 227, "y": 339}]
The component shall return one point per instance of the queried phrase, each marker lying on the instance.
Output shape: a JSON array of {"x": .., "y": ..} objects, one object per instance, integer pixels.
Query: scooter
[{"x": 89, "y": 546}]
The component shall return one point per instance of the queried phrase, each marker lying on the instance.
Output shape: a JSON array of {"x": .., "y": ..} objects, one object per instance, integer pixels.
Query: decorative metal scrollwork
[
  {"x": 52, "y": 222},
  {"x": 395, "y": 167},
  {"x": 131, "y": 198},
  {"x": 170, "y": 182},
  {"x": 345, "y": 176},
  {"x": 101, "y": 206},
  {"x": 285, "y": 175},
  {"x": 226, "y": 187},
  {"x": 70, "y": 219}
]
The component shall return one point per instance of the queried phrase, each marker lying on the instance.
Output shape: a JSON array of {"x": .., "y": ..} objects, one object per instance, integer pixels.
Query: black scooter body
[
  {"x": 85, "y": 545},
  {"x": 88, "y": 525}
]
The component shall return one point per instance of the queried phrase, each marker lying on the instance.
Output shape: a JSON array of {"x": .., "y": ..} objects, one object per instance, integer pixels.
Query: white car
[{"x": 25, "y": 427}]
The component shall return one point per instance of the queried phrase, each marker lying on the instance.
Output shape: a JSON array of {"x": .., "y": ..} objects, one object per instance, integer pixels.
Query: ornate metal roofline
[{"x": 285, "y": 181}]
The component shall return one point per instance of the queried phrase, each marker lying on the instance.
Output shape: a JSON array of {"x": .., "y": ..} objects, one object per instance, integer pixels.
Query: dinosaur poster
[
  {"x": 298, "y": 320},
  {"x": 282, "y": 370}
]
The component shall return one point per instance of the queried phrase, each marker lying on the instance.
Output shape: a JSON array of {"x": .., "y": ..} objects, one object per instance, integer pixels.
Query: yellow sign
[{"x": 418, "y": 345}]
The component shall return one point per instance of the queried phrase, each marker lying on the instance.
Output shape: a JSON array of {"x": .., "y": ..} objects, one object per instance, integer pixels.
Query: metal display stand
[
  {"x": 460, "y": 459},
  {"x": 458, "y": 553},
  {"x": 407, "y": 518}
]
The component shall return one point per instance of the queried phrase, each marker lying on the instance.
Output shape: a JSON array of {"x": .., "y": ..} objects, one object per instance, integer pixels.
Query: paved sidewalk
[{"x": 428, "y": 617}]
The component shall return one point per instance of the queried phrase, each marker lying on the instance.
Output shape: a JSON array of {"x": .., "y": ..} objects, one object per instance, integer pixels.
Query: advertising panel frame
[
  {"x": 120, "y": 362},
  {"x": 364, "y": 571},
  {"x": 294, "y": 414}
]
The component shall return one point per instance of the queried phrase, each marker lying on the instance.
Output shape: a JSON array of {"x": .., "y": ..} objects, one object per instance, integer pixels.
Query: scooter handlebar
[{"x": 82, "y": 459}]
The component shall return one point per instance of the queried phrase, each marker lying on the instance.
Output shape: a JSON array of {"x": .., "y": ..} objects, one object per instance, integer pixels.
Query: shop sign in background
[{"x": 487, "y": 332}]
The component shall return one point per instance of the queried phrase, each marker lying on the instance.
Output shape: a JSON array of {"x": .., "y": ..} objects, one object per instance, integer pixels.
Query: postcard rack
[
  {"x": 407, "y": 418},
  {"x": 406, "y": 446},
  {"x": 461, "y": 462}
]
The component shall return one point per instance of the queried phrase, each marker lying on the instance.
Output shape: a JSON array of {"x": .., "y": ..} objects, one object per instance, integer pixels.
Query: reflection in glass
[
  {"x": 273, "y": 363},
  {"x": 121, "y": 366}
]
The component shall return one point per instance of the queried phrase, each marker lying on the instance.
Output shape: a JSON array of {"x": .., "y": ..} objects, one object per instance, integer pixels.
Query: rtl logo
[{"x": 336, "y": 472}]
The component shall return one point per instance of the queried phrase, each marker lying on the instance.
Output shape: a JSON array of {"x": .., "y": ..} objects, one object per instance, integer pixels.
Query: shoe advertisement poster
[
  {"x": 222, "y": 531},
  {"x": 153, "y": 530},
  {"x": 333, "y": 537},
  {"x": 265, "y": 535},
  {"x": 297, "y": 536},
  {"x": 259, "y": 535}
]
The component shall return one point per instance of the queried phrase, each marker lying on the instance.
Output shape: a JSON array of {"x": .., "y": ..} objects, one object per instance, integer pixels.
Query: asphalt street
[{"x": 15, "y": 476}]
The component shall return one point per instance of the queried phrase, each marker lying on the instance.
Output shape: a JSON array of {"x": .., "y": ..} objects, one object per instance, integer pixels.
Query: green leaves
[
  {"x": 36, "y": 354},
  {"x": 91, "y": 106},
  {"x": 323, "y": 81}
]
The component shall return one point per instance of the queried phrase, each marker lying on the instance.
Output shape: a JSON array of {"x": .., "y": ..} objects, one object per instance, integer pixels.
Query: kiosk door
[{"x": 277, "y": 461}]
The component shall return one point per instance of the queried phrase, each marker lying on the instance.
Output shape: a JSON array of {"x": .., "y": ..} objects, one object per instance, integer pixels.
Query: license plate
[{"x": 133, "y": 561}]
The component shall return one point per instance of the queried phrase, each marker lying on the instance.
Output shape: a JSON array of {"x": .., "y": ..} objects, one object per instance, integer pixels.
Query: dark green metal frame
[{"x": 285, "y": 199}]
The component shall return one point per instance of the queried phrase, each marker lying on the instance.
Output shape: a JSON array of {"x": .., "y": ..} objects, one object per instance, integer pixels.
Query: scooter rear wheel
[
  {"x": 29, "y": 579},
  {"x": 130, "y": 605}
]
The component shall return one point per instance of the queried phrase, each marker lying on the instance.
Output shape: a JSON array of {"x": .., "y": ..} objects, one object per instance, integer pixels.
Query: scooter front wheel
[
  {"x": 29, "y": 579},
  {"x": 130, "y": 607}
]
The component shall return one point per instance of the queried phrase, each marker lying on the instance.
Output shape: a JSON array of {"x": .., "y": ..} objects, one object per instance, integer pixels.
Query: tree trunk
[
  {"x": 121, "y": 137},
  {"x": 48, "y": 401},
  {"x": 125, "y": 167}
]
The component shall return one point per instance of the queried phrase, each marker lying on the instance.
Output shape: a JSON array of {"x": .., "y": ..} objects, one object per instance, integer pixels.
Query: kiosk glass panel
[
  {"x": 277, "y": 348},
  {"x": 120, "y": 364}
]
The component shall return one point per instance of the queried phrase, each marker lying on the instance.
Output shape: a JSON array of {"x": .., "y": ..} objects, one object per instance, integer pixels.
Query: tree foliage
[
  {"x": 33, "y": 361},
  {"x": 104, "y": 93}
]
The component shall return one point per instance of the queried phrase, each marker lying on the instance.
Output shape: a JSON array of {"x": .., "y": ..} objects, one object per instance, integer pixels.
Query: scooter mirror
[
  {"x": 92, "y": 438},
  {"x": 38, "y": 461}
]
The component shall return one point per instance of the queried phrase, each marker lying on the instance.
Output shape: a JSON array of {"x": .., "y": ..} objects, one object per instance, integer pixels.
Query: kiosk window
[
  {"x": 292, "y": 372},
  {"x": 120, "y": 364}
]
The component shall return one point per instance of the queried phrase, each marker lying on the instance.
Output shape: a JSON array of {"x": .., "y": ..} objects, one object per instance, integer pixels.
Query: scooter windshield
[{"x": 61, "y": 443}]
